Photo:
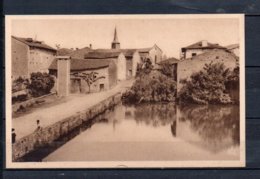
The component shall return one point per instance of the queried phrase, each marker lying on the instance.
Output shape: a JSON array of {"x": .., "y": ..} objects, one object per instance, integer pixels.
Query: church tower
[{"x": 115, "y": 43}]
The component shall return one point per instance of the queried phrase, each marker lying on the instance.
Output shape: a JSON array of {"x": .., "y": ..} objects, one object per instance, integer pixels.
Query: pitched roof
[
  {"x": 80, "y": 53},
  {"x": 84, "y": 64},
  {"x": 232, "y": 46},
  {"x": 102, "y": 54},
  {"x": 213, "y": 54},
  {"x": 33, "y": 43},
  {"x": 171, "y": 60},
  {"x": 64, "y": 51},
  {"x": 199, "y": 45}
]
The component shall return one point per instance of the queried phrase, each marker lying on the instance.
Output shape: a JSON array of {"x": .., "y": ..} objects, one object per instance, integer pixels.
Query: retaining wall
[
  {"x": 49, "y": 134},
  {"x": 30, "y": 102}
]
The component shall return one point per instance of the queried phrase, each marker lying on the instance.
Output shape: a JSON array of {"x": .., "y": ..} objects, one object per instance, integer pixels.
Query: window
[
  {"x": 193, "y": 54},
  {"x": 129, "y": 72},
  {"x": 101, "y": 87},
  {"x": 155, "y": 59}
]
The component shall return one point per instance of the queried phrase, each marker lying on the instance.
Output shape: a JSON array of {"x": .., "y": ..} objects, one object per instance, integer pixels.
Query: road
[{"x": 74, "y": 103}]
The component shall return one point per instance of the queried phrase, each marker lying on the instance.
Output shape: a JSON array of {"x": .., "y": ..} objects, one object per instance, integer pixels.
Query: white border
[{"x": 126, "y": 164}]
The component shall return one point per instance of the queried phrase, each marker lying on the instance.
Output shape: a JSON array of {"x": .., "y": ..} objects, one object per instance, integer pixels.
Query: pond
[{"x": 154, "y": 132}]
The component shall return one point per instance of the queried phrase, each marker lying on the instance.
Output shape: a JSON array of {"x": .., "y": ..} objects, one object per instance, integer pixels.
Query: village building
[
  {"x": 30, "y": 56},
  {"x": 109, "y": 65},
  {"x": 192, "y": 65},
  {"x": 199, "y": 48},
  {"x": 234, "y": 48},
  {"x": 85, "y": 75}
]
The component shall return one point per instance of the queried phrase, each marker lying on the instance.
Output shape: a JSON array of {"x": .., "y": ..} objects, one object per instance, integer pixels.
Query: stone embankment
[{"x": 45, "y": 136}]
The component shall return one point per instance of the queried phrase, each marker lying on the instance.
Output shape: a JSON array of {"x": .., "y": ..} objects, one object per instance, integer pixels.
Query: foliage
[
  {"x": 90, "y": 78},
  {"x": 19, "y": 84},
  {"x": 40, "y": 84},
  {"x": 168, "y": 69},
  {"x": 144, "y": 68},
  {"x": 150, "y": 86},
  {"x": 207, "y": 86}
]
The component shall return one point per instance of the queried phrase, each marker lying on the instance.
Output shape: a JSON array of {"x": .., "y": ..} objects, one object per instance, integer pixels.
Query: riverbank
[{"x": 58, "y": 120}]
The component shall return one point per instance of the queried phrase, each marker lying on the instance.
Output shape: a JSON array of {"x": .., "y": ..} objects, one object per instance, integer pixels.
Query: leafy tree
[
  {"x": 207, "y": 85},
  {"x": 152, "y": 87},
  {"x": 90, "y": 78},
  {"x": 19, "y": 84},
  {"x": 144, "y": 68},
  {"x": 40, "y": 84}
]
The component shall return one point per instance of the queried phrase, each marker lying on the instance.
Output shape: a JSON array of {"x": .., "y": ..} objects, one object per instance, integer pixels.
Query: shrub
[
  {"x": 207, "y": 86},
  {"x": 40, "y": 84},
  {"x": 152, "y": 87}
]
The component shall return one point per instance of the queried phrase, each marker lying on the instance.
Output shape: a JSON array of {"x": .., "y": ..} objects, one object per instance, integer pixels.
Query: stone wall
[
  {"x": 20, "y": 56},
  {"x": 189, "y": 66},
  {"x": 30, "y": 102},
  {"x": 45, "y": 136}
]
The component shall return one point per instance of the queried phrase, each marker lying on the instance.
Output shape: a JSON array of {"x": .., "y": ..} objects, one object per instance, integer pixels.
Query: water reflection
[
  {"x": 216, "y": 126},
  {"x": 155, "y": 114},
  {"x": 167, "y": 131}
]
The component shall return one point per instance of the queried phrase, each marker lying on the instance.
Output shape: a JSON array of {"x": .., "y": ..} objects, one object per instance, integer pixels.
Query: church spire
[
  {"x": 115, "y": 43},
  {"x": 115, "y": 36}
]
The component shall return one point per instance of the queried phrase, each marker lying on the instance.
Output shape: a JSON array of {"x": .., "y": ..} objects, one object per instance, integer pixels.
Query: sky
[{"x": 169, "y": 34}]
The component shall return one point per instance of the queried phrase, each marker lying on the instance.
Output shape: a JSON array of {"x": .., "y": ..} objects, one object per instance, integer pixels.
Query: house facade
[
  {"x": 87, "y": 75},
  {"x": 199, "y": 48},
  {"x": 30, "y": 56},
  {"x": 189, "y": 66}
]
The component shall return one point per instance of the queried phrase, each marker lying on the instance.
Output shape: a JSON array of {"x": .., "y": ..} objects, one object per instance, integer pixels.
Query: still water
[{"x": 156, "y": 132}]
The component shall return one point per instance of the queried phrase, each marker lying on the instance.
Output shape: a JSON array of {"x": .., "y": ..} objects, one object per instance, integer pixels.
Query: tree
[
  {"x": 144, "y": 68},
  {"x": 90, "y": 78},
  {"x": 207, "y": 86},
  {"x": 19, "y": 84},
  {"x": 40, "y": 84}
]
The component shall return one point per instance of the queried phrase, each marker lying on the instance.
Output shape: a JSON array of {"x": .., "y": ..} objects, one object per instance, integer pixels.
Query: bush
[
  {"x": 207, "y": 86},
  {"x": 19, "y": 84},
  {"x": 151, "y": 87},
  {"x": 40, "y": 84}
]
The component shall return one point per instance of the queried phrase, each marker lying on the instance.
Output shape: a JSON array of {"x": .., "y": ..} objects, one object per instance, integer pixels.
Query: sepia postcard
[{"x": 125, "y": 91}]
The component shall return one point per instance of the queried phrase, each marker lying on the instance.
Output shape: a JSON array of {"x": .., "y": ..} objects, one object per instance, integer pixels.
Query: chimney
[
  {"x": 63, "y": 75},
  {"x": 90, "y": 46},
  {"x": 204, "y": 43}
]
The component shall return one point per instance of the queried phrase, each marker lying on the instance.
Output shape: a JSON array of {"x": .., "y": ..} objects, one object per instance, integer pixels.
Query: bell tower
[{"x": 115, "y": 44}]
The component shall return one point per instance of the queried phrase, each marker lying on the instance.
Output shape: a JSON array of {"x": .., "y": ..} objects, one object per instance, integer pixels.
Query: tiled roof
[
  {"x": 84, "y": 64},
  {"x": 32, "y": 43},
  {"x": 80, "y": 53},
  {"x": 216, "y": 53},
  {"x": 199, "y": 45},
  {"x": 171, "y": 60},
  {"x": 102, "y": 54},
  {"x": 230, "y": 47},
  {"x": 113, "y": 53},
  {"x": 64, "y": 51}
]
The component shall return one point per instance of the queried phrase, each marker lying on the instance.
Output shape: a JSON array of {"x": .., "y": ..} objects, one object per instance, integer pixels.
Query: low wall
[
  {"x": 29, "y": 102},
  {"x": 47, "y": 135}
]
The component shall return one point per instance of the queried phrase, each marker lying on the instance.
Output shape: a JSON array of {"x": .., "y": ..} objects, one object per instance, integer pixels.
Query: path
[{"x": 26, "y": 124}]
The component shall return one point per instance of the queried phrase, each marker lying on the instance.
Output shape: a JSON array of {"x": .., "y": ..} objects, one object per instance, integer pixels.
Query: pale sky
[{"x": 169, "y": 34}]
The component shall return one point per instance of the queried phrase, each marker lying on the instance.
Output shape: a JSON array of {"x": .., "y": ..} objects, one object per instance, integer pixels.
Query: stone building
[
  {"x": 189, "y": 66},
  {"x": 234, "y": 48},
  {"x": 30, "y": 56},
  {"x": 199, "y": 48},
  {"x": 104, "y": 71},
  {"x": 112, "y": 55}
]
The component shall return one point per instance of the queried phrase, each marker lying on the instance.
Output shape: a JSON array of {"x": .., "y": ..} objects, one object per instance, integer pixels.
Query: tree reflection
[
  {"x": 155, "y": 114},
  {"x": 215, "y": 124}
]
